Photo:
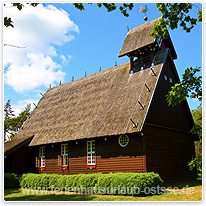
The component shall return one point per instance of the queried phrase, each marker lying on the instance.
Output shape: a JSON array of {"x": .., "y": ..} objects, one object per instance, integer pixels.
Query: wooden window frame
[
  {"x": 119, "y": 140},
  {"x": 42, "y": 158},
  {"x": 63, "y": 155},
  {"x": 91, "y": 153}
]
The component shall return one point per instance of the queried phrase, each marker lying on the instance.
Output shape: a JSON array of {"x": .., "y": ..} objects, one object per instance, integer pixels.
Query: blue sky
[{"x": 62, "y": 42}]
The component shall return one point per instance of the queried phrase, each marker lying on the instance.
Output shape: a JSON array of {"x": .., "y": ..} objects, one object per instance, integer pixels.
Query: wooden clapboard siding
[
  {"x": 168, "y": 153},
  {"x": 110, "y": 156}
]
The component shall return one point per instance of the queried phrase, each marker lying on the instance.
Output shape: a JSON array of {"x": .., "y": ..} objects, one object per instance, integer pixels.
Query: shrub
[
  {"x": 11, "y": 180},
  {"x": 112, "y": 183}
]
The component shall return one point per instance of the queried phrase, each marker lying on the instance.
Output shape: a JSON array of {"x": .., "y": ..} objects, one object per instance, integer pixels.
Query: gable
[
  {"x": 178, "y": 117},
  {"x": 138, "y": 39}
]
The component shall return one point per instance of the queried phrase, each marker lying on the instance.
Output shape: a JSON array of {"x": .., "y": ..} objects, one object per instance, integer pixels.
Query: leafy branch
[
  {"x": 190, "y": 86},
  {"x": 174, "y": 15}
]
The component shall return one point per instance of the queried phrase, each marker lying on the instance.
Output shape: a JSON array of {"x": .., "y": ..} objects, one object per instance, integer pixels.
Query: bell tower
[{"x": 142, "y": 48}]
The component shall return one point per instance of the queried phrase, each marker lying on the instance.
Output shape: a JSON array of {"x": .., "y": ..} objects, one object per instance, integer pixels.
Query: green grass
[{"x": 195, "y": 186}]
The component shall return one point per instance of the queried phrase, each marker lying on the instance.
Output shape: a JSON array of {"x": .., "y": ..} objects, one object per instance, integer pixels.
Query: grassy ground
[{"x": 192, "y": 193}]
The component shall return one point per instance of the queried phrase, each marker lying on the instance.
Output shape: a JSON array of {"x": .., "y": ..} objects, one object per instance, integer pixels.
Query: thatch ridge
[
  {"x": 14, "y": 143},
  {"x": 138, "y": 38}
]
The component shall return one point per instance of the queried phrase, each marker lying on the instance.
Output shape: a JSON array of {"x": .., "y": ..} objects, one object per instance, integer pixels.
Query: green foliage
[
  {"x": 190, "y": 86},
  {"x": 18, "y": 5},
  {"x": 79, "y": 6},
  {"x": 109, "y": 6},
  {"x": 199, "y": 13},
  {"x": 8, "y": 22},
  {"x": 197, "y": 117},
  {"x": 160, "y": 29},
  {"x": 13, "y": 123},
  {"x": 95, "y": 181},
  {"x": 8, "y": 115},
  {"x": 196, "y": 163},
  {"x": 197, "y": 129},
  {"x": 174, "y": 15},
  {"x": 11, "y": 180}
]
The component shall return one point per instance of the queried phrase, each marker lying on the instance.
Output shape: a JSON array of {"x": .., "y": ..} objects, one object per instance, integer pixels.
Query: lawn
[{"x": 195, "y": 188}]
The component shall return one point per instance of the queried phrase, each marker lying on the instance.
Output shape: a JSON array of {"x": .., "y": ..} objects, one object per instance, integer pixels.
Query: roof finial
[{"x": 142, "y": 9}]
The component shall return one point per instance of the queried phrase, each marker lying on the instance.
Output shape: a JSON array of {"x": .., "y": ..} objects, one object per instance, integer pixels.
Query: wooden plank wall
[
  {"x": 21, "y": 161},
  {"x": 110, "y": 156},
  {"x": 160, "y": 113},
  {"x": 168, "y": 153}
]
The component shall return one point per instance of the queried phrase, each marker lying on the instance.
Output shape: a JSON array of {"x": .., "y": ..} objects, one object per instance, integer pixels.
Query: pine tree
[
  {"x": 8, "y": 115},
  {"x": 13, "y": 123}
]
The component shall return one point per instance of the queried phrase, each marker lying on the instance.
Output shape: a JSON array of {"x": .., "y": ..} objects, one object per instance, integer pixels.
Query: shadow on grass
[
  {"x": 183, "y": 183},
  {"x": 11, "y": 191},
  {"x": 51, "y": 197}
]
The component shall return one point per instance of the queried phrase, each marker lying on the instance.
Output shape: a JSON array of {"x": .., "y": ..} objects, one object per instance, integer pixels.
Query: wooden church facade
[{"x": 116, "y": 120}]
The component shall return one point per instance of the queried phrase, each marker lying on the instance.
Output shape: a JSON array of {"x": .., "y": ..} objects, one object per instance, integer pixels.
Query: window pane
[
  {"x": 43, "y": 151},
  {"x": 42, "y": 162},
  {"x": 66, "y": 149},
  {"x": 93, "y": 160},
  {"x": 62, "y": 149},
  {"x": 91, "y": 152},
  {"x": 123, "y": 140},
  {"x": 65, "y": 160},
  {"x": 40, "y": 151},
  {"x": 89, "y": 161},
  {"x": 93, "y": 147}
]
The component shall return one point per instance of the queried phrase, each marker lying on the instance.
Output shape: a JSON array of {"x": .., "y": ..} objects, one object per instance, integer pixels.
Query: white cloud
[
  {"x": 39, "y": 29},
  {"x": 65, "y": 59},
  {"x": 20, "y": 105}
]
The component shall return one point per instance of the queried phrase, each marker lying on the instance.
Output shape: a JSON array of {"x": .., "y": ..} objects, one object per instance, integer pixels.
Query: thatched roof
[
  {"x": 100, "y": 104},
  {"x": 139, "y": 37},
  {"x": 15, "y": 143}
]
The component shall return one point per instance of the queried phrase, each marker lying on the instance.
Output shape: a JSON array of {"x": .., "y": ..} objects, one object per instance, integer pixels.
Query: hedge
[
  {"x": 98, "y": 183},
  {"x": 11, "y": 180}
]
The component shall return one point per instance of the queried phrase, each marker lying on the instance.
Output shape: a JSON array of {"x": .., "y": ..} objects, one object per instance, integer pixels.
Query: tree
[
  {"x": 197, "y": 129},
  {"x": 13, "y": 123},
  {"x": 190, "y": 86},
  {"x": 174, "y": 15},
  {"x": 8, "y": 115}
]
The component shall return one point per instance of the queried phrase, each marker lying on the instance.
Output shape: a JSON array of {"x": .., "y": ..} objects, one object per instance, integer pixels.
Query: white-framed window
[
  {"x": 64, "y": 154},
  {"x": 42, "y": 156},
  {"x": 123, "y": 140},
  {"x": 91, "y": 159}
]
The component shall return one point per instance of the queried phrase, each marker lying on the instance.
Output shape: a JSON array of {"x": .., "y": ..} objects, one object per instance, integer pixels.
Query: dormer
[{"x": 141, "y": 47}]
